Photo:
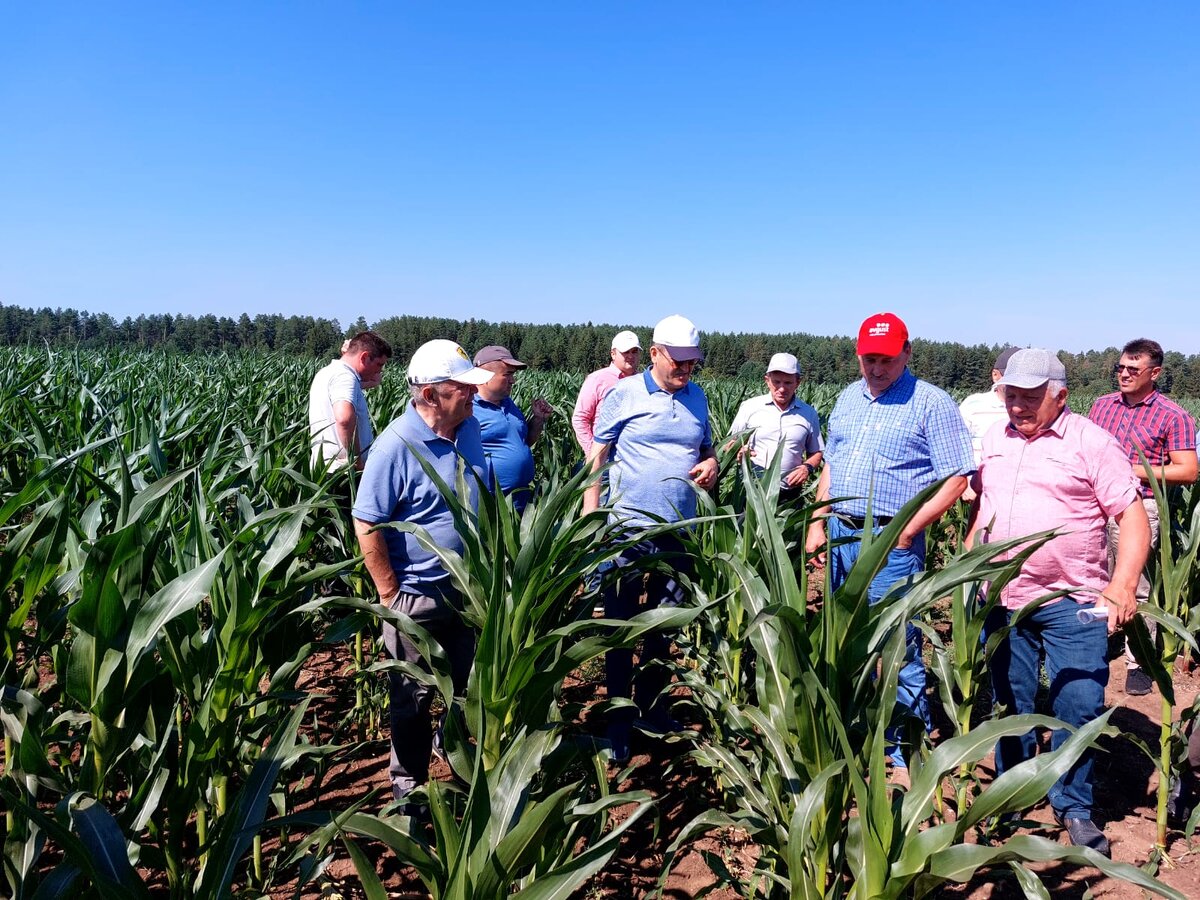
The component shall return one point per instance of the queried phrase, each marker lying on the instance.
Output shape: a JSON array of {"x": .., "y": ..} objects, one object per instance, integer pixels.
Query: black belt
[{"x": 859, "y": 522}]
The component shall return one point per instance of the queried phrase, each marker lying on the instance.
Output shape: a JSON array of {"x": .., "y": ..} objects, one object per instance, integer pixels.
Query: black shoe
[
  {"x": 1084, "y": 833},
  {"x": 1138, "y": 683}
]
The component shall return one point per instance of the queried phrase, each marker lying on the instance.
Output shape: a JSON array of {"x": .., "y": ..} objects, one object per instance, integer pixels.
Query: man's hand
[
  {"x": 798, "y": 475},
  {"x": 905, "y": 541},
  {"x": 814, "y": 542},
  {"x": 704, "y": 473},
  {"x": 1121, "y": 603},
  {"x": 541, "y": 409}
]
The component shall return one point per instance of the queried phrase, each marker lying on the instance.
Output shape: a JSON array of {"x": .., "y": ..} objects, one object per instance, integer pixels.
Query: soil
[{"x": 1126, "y": 785}]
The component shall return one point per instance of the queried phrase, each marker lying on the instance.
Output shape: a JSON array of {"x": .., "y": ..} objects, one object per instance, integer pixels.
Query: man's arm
[
  {"x": 591, "y": 496},
  {"x": 584, "y": 418},
  {"x": 932, "y": 509},
  {"x": 704, "y": 473},
  {"x": 537, "y": 420},
  {"x": 375, "y": 556},
  {"x": 345, "y": 426},
  {"x": 814, "y": 541},
  {"x": 799, "y": 475},
  {"x": 1180, "y": 468},
  {"x": 1120, "y": 596}
]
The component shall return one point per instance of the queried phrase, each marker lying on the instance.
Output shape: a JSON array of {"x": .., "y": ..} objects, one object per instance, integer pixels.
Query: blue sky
[{"x": 999, "y": 173}]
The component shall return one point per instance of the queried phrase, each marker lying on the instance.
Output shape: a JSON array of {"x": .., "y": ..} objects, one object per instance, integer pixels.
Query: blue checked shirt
[{"x": 893, "y": 445}]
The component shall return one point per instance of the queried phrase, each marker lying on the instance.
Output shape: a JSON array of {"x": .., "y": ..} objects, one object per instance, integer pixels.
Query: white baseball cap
[
  {"x": 443, "y": 360},
  {"x": 680, "y": 337},
  {"x": 626, "y": 341},
  {"x": 785, "y": 363}
]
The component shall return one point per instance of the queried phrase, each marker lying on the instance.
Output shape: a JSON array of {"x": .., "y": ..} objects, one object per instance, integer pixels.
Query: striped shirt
[
  {"x": 892, "y": 446},
  {"x": 1157, "y": 425}
]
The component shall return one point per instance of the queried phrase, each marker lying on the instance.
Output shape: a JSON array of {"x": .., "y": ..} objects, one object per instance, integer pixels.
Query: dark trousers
[
  {"x": 622, "y": 601},
  {"x": 408, "y": 699}
]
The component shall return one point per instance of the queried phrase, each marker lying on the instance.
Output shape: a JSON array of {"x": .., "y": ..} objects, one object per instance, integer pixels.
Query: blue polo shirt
[
  {"x": 395, "y": 488},
  {"x": 892, "y": 446},
  {"x": 504, "y": 431},
  {"x": 654, "y": 437}
]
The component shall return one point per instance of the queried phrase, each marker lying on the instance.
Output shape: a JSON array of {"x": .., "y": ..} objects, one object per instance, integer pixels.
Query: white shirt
[
  {"x": 795, "y": 432},
  {"x": 337, "y": 381},
  {"x": 981, "y": 412}
]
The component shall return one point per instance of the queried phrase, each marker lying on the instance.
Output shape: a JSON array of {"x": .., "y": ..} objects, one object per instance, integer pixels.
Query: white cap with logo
[
  {"x": 443, "y": 360},
  {"x": 626, "y": 341}
]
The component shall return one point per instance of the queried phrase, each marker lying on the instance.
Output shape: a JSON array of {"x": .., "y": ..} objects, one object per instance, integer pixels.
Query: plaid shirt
[
  {"x": 893, "y": 445},
  {"x": 1157, "y": 425}
]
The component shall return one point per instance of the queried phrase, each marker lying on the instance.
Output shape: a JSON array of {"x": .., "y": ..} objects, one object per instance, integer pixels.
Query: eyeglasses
[{"x": 1133, "y": 371}]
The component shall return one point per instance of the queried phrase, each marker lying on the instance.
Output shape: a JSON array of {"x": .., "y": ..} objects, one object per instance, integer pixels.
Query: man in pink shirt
[
  {"x": 1052, "y": 469},
  {"x": 626, "y": 354}
]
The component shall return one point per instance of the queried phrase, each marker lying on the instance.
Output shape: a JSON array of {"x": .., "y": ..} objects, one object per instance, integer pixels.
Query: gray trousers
[{"x": 410, "y": 723}]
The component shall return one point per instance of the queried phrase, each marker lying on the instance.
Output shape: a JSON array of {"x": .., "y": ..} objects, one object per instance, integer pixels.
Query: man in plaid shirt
[
  {"x": 1138, "y": 415},
  {"x": 890, "y": 436}
]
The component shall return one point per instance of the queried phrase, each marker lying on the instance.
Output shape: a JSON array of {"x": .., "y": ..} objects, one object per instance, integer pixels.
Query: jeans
[
  {"x": 1078, "y": 671},
  {"x": 410, "y": 723},
  {"x": 900, "y": 565},
  {"x": 621, "y": 601}
]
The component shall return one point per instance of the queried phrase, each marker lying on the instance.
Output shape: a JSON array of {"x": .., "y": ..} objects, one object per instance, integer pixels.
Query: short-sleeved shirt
[
  {"x": 794, "y": 432},
  {"x": 595, "y": 388},
  {"x": 395, "y": 488},
  {"x": 503, "y": 428},
  {"x": 655, "y": 438},
  {"x": 337, "y": 381},
  {"x": 1157, "y": 425},
  {"x": 893, "y": 446},
  {"x": 982, "y": 412},
  {"x": 1073, "y": 476}
]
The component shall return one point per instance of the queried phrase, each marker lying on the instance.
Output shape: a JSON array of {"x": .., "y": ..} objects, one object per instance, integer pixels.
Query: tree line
[{"x": 571, "y": 348}]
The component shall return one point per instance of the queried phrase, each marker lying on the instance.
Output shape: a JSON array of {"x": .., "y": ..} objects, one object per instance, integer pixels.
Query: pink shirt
[
  {"x": 595, "y": 388},
  {"x": 1071, "y": 477}
]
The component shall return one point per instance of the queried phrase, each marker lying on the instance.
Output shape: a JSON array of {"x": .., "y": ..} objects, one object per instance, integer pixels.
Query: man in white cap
[
  {"x": 507, "y": 435},
  {"x": 626, "y": 356},
  {"x": 437, "y": 427},
  {"x": 1050, "y": 469},
  {"x": 655, "y": 429},
  {"x": 338, "y": 419},
  {"x": 780, "y": 422}
]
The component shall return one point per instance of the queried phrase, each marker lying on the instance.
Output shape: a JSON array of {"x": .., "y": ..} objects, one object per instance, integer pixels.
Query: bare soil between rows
[{"x": 1126, "y": 783}]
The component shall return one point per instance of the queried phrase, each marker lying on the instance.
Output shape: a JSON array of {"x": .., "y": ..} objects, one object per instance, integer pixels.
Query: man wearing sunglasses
[{"x": 1138, "y": 415}]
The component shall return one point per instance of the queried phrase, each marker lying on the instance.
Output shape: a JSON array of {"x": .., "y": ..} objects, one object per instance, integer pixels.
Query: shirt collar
[
  {"x": 906, "y": 377},
  {"x": 652, "y": 385}
]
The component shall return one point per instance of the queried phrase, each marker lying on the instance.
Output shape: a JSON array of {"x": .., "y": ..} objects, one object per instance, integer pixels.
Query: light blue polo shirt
[
  {"x": 504, "y": 430},
  {"x": 395, "y": 488},
  {"x": 655, "y": 437}
]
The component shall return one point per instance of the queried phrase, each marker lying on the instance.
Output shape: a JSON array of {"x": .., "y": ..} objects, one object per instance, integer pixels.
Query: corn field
[{"x": 171, "y": 564}]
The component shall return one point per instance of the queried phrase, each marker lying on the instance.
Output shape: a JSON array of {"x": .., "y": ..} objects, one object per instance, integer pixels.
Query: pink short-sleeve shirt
[{"x": 1072, "y": 478}]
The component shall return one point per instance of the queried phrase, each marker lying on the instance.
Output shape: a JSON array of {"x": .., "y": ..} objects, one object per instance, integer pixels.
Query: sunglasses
[{"x": 1134, "y": 371}]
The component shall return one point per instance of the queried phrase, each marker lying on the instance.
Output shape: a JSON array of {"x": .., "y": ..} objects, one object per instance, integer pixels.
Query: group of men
[{"x": 1025, "y": 461}]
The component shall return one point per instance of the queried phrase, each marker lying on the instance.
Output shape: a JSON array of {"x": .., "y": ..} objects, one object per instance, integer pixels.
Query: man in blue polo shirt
[
  {"x": 437, "y": 426},
  {"x": 507, "y": 436},
  {"x": 655, "y": 430},
  {"x": 890, "y": 436}
]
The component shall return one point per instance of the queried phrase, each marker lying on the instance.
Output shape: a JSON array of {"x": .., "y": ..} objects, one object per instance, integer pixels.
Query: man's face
[
  {"x": 454, "y": 401},
  {"x": 782, "y": 387},
  {"x": 882, "y": 371},
  {"x": 628, "y": 361},
  {"x": 501, "y": 383},
  {"x": 369, "y": 367},
  {"x": 1033, "y": 409},
  {"x": 671, "y": 374},
  {"x": 1136, "y": 375}
]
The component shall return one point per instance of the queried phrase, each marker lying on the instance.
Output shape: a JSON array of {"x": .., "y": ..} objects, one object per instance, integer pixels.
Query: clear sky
[{"x": 1016, "y": 172}]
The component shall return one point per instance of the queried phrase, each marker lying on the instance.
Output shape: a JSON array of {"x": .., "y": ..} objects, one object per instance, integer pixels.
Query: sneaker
[
  {"x": 1084, "y": 833},
  {"x": 1138, "y": 683}
]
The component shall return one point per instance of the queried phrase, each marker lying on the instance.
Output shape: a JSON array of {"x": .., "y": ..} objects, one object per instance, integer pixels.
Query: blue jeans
[
  {"x": 1077, "y": 666},
  {"x": 901, "y": 564}
]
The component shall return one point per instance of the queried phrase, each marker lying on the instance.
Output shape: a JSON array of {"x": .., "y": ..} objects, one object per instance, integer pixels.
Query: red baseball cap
[{"x": 882, "y": 333}]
